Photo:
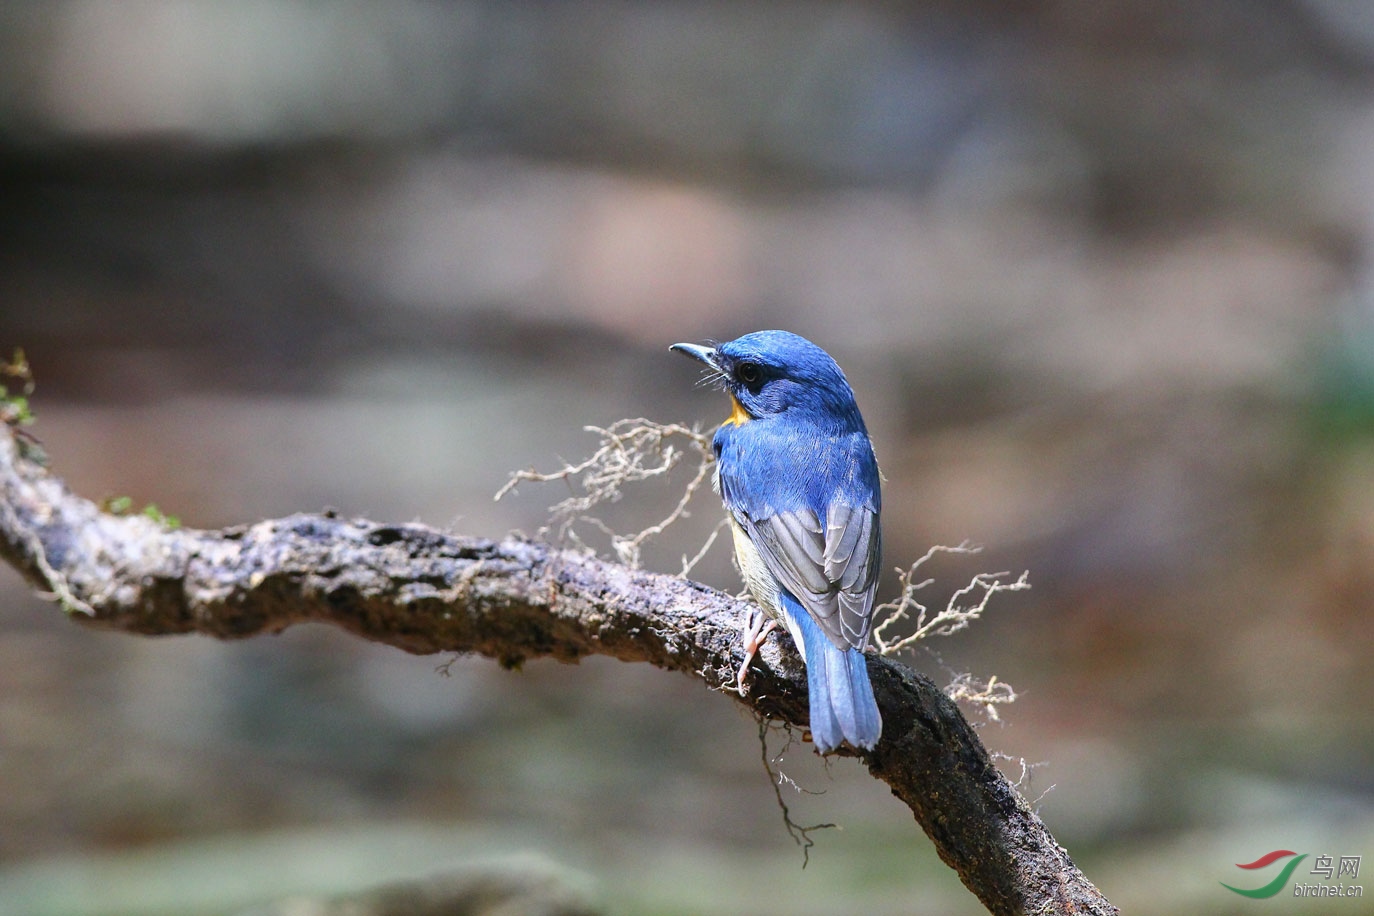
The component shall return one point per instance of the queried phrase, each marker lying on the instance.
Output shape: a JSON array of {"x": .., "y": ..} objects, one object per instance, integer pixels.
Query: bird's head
[{"x": 769, "y": 373}]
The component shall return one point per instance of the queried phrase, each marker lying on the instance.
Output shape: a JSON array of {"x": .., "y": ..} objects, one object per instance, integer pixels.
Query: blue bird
[{"x": 797, "y": 474}]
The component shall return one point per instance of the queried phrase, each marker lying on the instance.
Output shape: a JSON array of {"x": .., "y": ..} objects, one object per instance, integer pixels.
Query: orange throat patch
[{"x": 738, "y": 415}]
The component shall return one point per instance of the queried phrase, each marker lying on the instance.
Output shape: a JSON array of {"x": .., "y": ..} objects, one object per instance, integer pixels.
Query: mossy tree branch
[{"x": 428, "y": 591}]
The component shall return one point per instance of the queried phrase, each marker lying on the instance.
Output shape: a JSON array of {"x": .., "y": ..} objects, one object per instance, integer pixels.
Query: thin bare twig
[
  {"x": 958, "y": 612},
  {"x": 799, "y": 834},
  {"x": 986, "y": 696},
  {"x": 1023, "y": 781},
  {"x": 630, "y": 451},
  {"x": 689, "y": 564}
]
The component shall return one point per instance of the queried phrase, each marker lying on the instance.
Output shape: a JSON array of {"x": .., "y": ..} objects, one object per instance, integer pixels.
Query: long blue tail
[{"x": 842, "y": 703}]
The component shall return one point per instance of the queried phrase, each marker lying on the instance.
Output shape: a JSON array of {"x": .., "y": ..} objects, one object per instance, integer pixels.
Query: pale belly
[{"x": 761, "y": 583}]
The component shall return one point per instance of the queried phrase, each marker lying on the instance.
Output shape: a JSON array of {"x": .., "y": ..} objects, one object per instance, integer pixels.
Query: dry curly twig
[
  {"x": 1023, "y": 782},
  {"x": 985, "y": 695},
  {"x": 800, "y": 835},
  {"x": 630, "y": 451},
  {"x": 957, "y": 614}
]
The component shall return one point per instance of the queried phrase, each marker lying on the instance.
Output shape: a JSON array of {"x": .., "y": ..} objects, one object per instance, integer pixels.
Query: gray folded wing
[{"x": 831, "y": 568}]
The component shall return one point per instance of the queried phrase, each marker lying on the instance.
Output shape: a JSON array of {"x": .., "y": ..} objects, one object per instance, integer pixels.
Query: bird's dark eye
[{"x": 749, "y": 373}]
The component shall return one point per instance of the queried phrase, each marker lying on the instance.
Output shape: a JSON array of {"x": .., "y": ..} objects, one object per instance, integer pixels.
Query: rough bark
[{"x": 426, "y": 591}]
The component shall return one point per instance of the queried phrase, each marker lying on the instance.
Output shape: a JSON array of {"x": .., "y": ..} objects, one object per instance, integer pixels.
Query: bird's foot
[{"x": 757, "y": 626}]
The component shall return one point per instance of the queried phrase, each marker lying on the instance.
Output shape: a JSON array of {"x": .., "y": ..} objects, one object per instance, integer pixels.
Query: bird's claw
[{"x": 757, "y": 626}]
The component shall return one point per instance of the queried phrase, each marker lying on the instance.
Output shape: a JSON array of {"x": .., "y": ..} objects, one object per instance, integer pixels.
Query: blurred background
[{"x": 1099, "y": 272}]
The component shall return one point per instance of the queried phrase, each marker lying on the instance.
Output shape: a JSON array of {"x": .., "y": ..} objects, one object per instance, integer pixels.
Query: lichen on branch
[{"x": 630, "y": 451}]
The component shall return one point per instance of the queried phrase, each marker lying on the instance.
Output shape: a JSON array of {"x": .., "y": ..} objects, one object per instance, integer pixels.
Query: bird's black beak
[{"x": 707, "y": 355}]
